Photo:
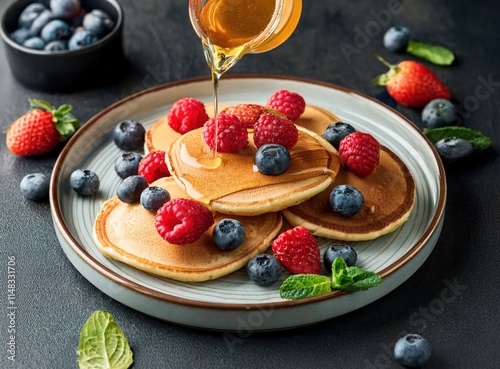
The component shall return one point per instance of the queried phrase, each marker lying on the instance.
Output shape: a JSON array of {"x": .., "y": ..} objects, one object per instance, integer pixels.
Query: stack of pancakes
[{"x": 230, "y": 185}]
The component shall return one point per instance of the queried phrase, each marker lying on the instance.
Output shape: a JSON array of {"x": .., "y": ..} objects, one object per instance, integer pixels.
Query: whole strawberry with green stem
[
  {"x": 411, "y": 83},
  {"x": 41, "y": 129}
]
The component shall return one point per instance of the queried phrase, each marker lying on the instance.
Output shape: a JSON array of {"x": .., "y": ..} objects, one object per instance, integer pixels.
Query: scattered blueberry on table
[
  {"x": 35, "y": 186},
  {"x": 65, "y": 21},
  {"x": 396, "y": 38},
  {"x": 439, "y": 113},
  {"x": 412, "y": 350}
]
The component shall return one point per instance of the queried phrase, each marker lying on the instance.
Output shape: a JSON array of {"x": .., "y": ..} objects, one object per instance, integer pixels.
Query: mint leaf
[
  {"x": 434, "y": 53},
  {"x": 300, "y": 286},
  {"x": 103, "y": 344},
  {"x": 479, "y": 140},
  {"x": 352, "y": 279}
]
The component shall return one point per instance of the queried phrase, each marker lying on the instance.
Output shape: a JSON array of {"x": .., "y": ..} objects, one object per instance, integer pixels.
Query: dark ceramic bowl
[{"x": 54, "y": 71}]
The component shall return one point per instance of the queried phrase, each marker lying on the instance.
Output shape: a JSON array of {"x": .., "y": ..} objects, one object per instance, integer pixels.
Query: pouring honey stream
[{"x": 229, "y": 29}]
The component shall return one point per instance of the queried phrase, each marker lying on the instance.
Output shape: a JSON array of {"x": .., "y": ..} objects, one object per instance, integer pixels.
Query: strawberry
[
  {"x": 298, "y": 251},
  {"x": 411, "y": 84},
  {"x": 249, "y": 113},
  {"x": 41, "y": 129}
]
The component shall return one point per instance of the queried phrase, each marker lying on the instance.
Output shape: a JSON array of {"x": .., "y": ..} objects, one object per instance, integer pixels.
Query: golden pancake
[
  {"x": 127, "y": 233},
  {"x": 231, "y": 184},
  {"x": 389, "y": 194}
]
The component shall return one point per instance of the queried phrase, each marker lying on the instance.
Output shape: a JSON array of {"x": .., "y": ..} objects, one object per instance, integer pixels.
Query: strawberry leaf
[
  {"x": 40, "y": 104},
  {"x": 384, "y": 78}
]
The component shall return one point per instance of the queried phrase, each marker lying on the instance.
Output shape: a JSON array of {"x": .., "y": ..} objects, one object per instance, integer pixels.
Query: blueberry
[
  {"x": 228, "y": 234},
  {"x": 272, "y": 159},
  {"x": 131, "y": 188},
  {"x": 127, "y": 164},
  {"x": 20, "y": 35},
  {"x": 453, "y": 150},
  {"x": 29, "y": 14},
  {"x": 129, "y": 135},
  {"x": 346, "y": 200},
  {"x": 264, "y": 269},
  {"x": 35, "y": 43},
  {"x": 412, "y": 350},
  {"x": 98, "y": 22},
  {"x": 439, "y": 113},
  {"x": 35, "y": 186},
  {"x": 396, "y": 39},
  {"x": 56, "y": 30},
  {"x": 57, "y": 45},
  {"x": 67, "y": 9},
  {"x": 84, "y": 182},
  {"x": 339, "y": 251},
  {"x": 82, "y": 39},
  {"x": 40, "y": 21},
  {"x": 153, "y": 198},
  {"x": 335, "y": 132}
]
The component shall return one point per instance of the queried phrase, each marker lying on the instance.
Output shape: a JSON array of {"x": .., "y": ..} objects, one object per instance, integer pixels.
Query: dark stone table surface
[{"x": 453, "y": 299}]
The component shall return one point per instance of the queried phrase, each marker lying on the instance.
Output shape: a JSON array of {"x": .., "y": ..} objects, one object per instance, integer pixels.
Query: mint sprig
[
  {"x": 352, "y": 279},
  {"x": 479, "y": 140},
  {"x": 345, "y": 278},
  {"x": 103, "y": 344},
  {"x": 436, "y": 54},
  {"x": 300, "y": 286}
]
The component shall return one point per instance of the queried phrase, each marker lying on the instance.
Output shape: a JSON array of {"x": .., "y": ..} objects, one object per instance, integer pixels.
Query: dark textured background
[{"x": 54, "y": 300}]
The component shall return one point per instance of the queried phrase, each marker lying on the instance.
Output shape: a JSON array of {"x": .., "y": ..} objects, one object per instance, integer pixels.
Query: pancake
[
  {"x": 230, "y": 183},
  {"x": 127, "y": 233},
  {"x": 389, "y": 194}
]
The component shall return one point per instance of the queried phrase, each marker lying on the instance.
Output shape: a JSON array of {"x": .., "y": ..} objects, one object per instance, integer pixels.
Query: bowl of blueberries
[{"x": 56, "y": 45}]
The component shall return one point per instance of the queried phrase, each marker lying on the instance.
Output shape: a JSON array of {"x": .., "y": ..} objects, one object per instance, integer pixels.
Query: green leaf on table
[
  {"x": 479, "y": 140},
  {"x": 351, "y": 278},
  {"x": 300, "y": 286},
  {"x": 434, "y": 53},
  {"x": 103, "y": 344}
]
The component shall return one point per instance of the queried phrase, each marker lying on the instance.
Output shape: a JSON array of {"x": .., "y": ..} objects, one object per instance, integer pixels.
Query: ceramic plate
[{"x": 234, "y": 303}]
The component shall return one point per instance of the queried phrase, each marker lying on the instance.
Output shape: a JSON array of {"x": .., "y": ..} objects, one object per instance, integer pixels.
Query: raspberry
[
  {"x": 298, "y": 251},
  {"x": 187, "y": 114},
  {"x": 289, "y": 103},
  {"x": 231, "y": 134},
  {"x": 276, "y": 130},
  {"x": 181, "y": 221},
  {"x": 360, "y": 152},
  {"x": 152, "y": 166}
]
